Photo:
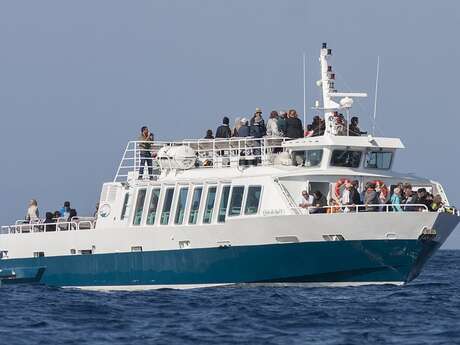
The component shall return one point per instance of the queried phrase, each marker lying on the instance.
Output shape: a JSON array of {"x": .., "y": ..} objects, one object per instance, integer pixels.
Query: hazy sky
[{"x": 79, "y": 78}]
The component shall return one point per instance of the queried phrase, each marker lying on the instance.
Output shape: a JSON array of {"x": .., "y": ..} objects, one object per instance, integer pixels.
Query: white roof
[{"x": 363, "y": 141}]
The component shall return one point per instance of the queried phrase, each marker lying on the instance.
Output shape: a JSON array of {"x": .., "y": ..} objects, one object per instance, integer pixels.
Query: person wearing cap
[
  {"x": 281, "y": 123},
  {"x": 223, "y": 131},
  {"x": 422, "y": 196},
  {"x": 258, "y": 129},
  {"x": 243, "y": 131},
  {"x": 65, "y": 210}
]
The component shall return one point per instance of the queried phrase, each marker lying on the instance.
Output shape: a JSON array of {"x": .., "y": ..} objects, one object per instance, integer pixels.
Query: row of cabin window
[
  {"x": 350, "y": 158},
  {"x": 231, "y": 204}
]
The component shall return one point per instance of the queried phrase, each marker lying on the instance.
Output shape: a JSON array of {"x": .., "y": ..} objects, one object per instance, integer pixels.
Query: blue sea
[{"x": 427, "y": 311}]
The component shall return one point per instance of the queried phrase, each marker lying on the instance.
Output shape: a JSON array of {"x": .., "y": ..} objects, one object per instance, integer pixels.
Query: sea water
[{"x": 427, "y": 311}]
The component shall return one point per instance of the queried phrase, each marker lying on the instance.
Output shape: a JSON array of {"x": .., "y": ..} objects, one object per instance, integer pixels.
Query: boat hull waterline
[{"x": 331, "y": 263}]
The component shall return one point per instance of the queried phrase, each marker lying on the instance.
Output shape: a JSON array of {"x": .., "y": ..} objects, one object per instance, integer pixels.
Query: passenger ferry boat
[{"x": 208, "y": 218}]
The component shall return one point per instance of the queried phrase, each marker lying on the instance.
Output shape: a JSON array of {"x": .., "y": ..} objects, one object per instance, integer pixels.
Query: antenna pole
[
  {"x": 304, "y": 96},
  {"x": 376, "y": 94}
]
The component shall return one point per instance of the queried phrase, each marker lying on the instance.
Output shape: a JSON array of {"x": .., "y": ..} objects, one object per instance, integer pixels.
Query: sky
[{"x": 79, "y": 78}]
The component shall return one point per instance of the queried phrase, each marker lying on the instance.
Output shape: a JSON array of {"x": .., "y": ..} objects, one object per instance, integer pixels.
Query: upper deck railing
[
  {"x": 200, "y": 153},
  {"x": 59, "y": 224}
]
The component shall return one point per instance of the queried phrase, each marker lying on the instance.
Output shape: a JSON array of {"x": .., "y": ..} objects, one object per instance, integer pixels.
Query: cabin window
[
  {"x": 236, "y": 201},
  {"x": 312, "y": 158},
  {"x": 223, "y": 204},
  {"x": 209, "y": 207},
  {"x": 167, "y": 206},
  {"x": 153, "y": 206},
  {"x": 378, "y": 160},
  {"x": 39, "y": 254},
  {"x": 139, "y": 206},
  {"x": 125, "y": 206},
  {"x": 181, "y": 202},
  {"x": 252, "y": 200},
  {"x": 195, "y": 205},
  {"x": 345, "y": 158}
]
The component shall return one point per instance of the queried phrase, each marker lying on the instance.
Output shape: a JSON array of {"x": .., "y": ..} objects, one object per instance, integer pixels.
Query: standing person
[
  {"x": 380, "y": 189},
  {"x": 371, "y": 198},
  {"x": 145, "y": 147},
  {"x": 272, "y": 124},
  {"x": 294, "y": 129},
  {"x": 281, "y": 123},
  {"x": 223, "y": 131},
  {"x": 258, "y": 123},
  {"x": 243, "y": 131},
  {"x": 424, "y": 199},
  {"x": 257, "y": 130},
  {"x": 237, "y": 127},
  {"x": 396, "y": 200},
  {"x": 306, "y": 200},
  {"x": 32, "y": 211},
  {"x": 320, "y": 202},
  {"x": 410, "y": 199},
  {"x": 354, "y": 129},
  {"x": 354, "y": 193}
]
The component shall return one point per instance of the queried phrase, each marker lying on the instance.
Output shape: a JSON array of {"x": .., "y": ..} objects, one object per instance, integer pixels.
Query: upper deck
[{"x": 366, "y": 153}]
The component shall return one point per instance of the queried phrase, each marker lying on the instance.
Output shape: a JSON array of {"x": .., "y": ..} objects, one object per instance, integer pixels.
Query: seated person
[
  {"x": 49, "y": 222},
  {"x": 209, "y": 134}
]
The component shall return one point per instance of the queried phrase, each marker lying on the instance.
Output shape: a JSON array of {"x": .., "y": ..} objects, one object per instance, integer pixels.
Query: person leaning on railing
[{"x": 145, "y": 147}]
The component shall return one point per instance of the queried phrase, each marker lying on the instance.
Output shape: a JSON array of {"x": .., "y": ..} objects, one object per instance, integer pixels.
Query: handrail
[
  {"x": 340, "y": 208},
  {"x": 85, "y": 224},
  {"x": 210, "y": 153}
]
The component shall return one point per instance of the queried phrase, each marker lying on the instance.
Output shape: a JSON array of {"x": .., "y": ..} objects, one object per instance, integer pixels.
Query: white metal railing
[
  {"x": 209, "y": 153},
  {"x": 76, "y": 223},
  {"x": 362, "y": 208}
]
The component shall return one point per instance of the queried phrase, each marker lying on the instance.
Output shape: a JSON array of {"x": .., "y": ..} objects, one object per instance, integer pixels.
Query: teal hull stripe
[{"x": 336, "y": 261}]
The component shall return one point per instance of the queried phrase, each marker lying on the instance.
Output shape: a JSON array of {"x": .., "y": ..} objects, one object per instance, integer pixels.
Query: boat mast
[{"x": 327, "y": 84}]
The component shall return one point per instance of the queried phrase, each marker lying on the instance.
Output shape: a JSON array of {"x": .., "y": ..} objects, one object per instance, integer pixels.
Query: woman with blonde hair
[
  {"x": 32, "y": 211},
  {"x": 237, "y": 127}
]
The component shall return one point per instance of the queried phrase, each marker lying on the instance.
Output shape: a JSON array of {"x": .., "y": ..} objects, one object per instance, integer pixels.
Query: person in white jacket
[
  {"x": 272, "y": 126},
  {"x": 32, "y": 211}
]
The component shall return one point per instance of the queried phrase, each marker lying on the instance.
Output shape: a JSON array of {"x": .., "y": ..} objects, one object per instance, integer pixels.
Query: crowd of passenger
[
  {"x": 282, "y": 124},
  {"x": 64, "y": 214},
  {"x": 374, "y": 198}
]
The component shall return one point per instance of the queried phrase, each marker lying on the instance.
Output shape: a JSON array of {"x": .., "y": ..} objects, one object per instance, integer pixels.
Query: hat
[
  {"x": 244, "y": 120},
  {"x": 258, "y": 110}
]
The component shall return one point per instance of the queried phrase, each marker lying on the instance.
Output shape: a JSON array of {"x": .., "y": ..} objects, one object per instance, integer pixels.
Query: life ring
[
  {"x": 340, "y": 182},
  {"x": 383, "y": 187}
]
